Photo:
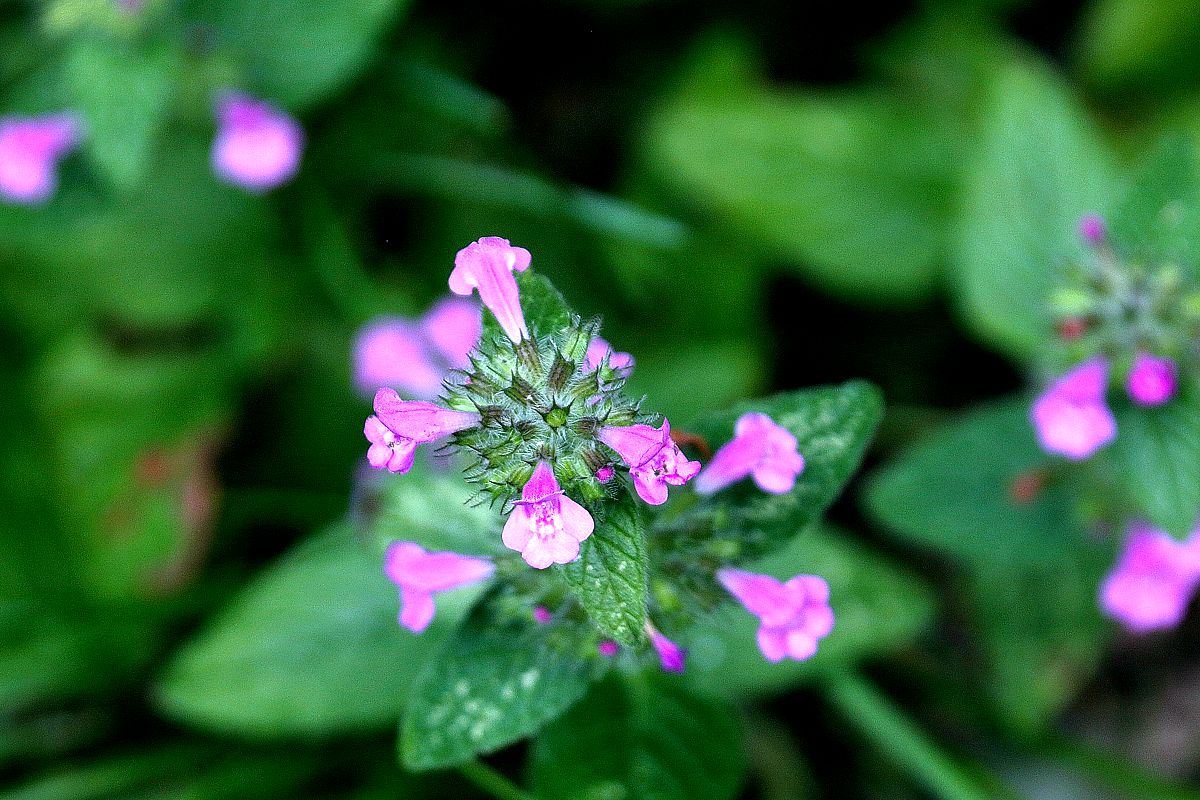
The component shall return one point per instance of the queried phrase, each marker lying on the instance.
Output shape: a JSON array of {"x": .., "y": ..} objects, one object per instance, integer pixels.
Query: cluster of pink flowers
[
  {"x": 545, "y": 525},
  {"x": 257, "y": 147},
  {"x": 1153, "y": 580}
]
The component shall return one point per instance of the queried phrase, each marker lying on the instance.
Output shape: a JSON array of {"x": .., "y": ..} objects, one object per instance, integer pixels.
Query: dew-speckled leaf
[
  {"x": 311, "y": 648},
  {"x": 1157, "y": 460},
  {"x": 1041, "y": 166},
  {"x": 878, "y": 607},
  {"x": 833, "y": 426},
  {"x": 492, "y": 684},
  {"x": 641, "y": 738},
  {"x": 609, "y": 577}
]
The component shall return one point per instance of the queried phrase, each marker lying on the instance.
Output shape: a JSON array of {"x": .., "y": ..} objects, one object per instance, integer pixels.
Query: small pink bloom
[
  {"x": 400, "y": 425},
  {"x": 390, "y": 352},
  {"x": 30, "y": 149},
  {"x": 759, "y": 448},
  {"x": 608, "y": 648},
  {"x": 605, "y": 474},
  {"x": 258, "y": 146},
  {"x": 1092, "y": 229},
  {"x": 1153, "y": 380},
  {"x": 1153, "y": 580},
  {"x": 542, "y": 615},
  {"x": 487, "y": 265},
  {"x": 1071, "y": 417},
  {"x": 794, "y": 615},
  {"x": 598, "y": 349},
  {"x": 654, "y": 460},
  {"x": 453, "y": 327},
  {"x": 420, "y": 574},
  {"x": 670, "y": 655},
  {"x": 545, "y": 525}
]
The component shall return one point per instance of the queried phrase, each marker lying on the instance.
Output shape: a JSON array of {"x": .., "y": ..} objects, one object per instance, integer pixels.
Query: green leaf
[
  {"x": 1157, "y": 460},
  {"x": 1139, "y": 45},
  {"x": 833, "y": 426},
  {"x": 299, "y": 54},
  {"x": 494, "y": 683},
  {"x": 310, "y": 648},
  {"x": 878, "y": 608},
  {"x": 640, "y": 739},
  {"x": 546, "y": 312},
  {"x": 123, "y": 93},
  {"x": 952, "y": 491},
  {"x": 1041, "y": 166},
  {"x": 433, "y": 509},
  {"x": 609, "y": 577},
  {"x": 1158, "y": 216}
]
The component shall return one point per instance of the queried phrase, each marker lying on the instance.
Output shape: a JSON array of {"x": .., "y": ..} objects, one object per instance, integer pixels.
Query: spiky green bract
[{"x": 537, "y": 401}]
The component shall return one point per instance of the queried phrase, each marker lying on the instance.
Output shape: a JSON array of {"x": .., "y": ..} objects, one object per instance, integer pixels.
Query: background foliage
[{"x": 756, "y": 199}]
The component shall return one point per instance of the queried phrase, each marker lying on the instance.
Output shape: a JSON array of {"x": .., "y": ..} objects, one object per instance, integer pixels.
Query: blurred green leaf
[
  {"x": 1158, "y": 217},
  {"x": 641, "y": 738},
  {"x": 297, "y": 55},
  {"x": 959, "y": 491},
  {"x": 833, "y": 426},
  {"x": 311, "y": 648},
  {"x": 1040, "y": 167},
  {"x": 670, "y": 368},
  {"x": 878, "y": 609},
  {"x": 123, "y": 93},
  {"x": 431, "y": 507},
  {"x": 1157, "y": 461},
  {"x": 609, "y": 577},
  {"x": 492, "y": 684},
  {"x": 1147, "y": 45}
]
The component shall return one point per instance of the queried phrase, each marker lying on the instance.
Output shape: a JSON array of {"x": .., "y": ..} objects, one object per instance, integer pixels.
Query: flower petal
[{"x": 416, "y": 608}]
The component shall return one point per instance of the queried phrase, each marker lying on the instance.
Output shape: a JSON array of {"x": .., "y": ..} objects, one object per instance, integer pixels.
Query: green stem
[
  {"x": 878, "y": 719},
  {"x": 491, "y": 781}
]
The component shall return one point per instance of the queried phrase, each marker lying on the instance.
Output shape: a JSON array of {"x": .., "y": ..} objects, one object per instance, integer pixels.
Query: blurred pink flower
[
  {"x": 670, "y": 655},
  {"x": 1153, "y": 580},
  {"x": 257, "y": 147},
  {"x": 420, "y": 574},
  {"x": 488, "y": 265},
  {"x": 1153, "y": 380},
  {"x": 1071, "y": 417},
  {"x": 598, "y": 349},
  {"x": 414, "y": 357},
  {"x": 760, "y": 448},
  {"x": 793, "y": 615},
  {"x": 654, "y": 460},
  {"x": 542, "y": 615},
  {"x": 1092, "y": 228},
  {"x": 30, "y": 149},
  {"x": 608, "y": 648},
  {"x": 400, "y": 425},
  {"x": 453, "y": 326},
  {"x": 545, "y": 525}
]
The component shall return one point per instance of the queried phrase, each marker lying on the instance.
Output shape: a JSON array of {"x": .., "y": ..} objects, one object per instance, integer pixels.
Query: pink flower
[
  {"x": 542, "y": 615},
  {"x": 759, "y": 448},
  {"x": 608, "y": 648},
  {"x": 654, "y": 460},
  {"x": 390, "y": 352},
  {"x": 605, "y": 474},
  {"x": 1153, "y": 580},
  {"x": 1070, "y": 416},
  {"x": 598, "y": 349},
  {"x": 400, "y": 425},
  {"x": 30, "y": 149},
  {"x": 487, "y": 265},
  {"x": 453, "y": 327},
  {"x": 419, "y": 574},
  {"x": 793, "y": 615},
  {"x": 670, "y": 655},
  {"x": 1092, "y": 229},
  {"x": 258, "y": 146},
  {"x": 545, "y": 525},
  {"x": 1153, "y": 380}
]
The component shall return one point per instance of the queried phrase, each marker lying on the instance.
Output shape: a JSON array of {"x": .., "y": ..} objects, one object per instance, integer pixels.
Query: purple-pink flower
[
  {"x": 1071, "y": 417},
  {"x": 1153, "y": 580},
  {"x": 654, "y": 460},
  {"x": 761, "y": 449},
  {"x": 398, "y": 426},
  {"x": 1092, "y": 228},
  {"x": 420, "y": 574},
  {"x": 415, "y": 356},
  {"x": 598, "y": 350},
  {"x": 670, "y": 655},
  {"x": 542, "y": 615},
  {"x": 545, "y": 525},
  {"x": 1153, "y": 380},
  {"x": 258, "y": 146},
  {"x": 488, "y": 265},
  {"x": 30, "y": 149},
  {"x": 793, "y": 615},
  {"x": 607, "y": 648}
]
